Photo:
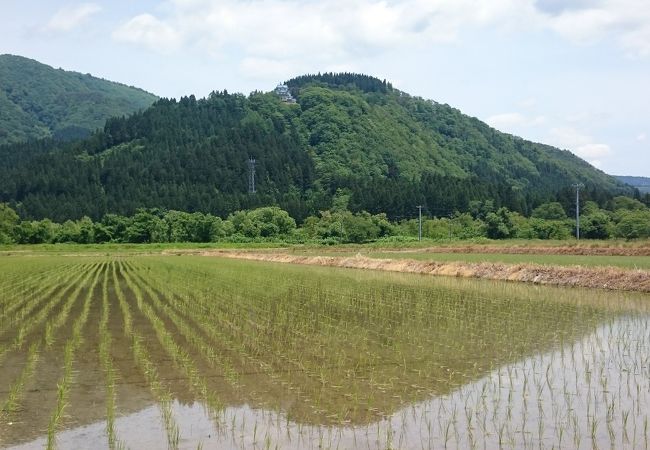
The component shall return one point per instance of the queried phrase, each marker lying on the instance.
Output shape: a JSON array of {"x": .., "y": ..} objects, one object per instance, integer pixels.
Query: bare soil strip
[{"x": 589, "y": 277}]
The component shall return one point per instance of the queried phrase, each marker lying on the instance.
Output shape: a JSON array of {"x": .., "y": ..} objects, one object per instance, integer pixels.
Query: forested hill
[
  {"x": 641, "y": 183},
  {"x": 38, "y": 101},
  {"x": 383, "y": 149}
]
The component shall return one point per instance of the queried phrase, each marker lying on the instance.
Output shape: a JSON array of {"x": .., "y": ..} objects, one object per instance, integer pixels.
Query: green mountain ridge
[
  {"x": 38, "y": 101},
  {"x": 347, "y": 136},
  {"x": 640, "y": 183}
]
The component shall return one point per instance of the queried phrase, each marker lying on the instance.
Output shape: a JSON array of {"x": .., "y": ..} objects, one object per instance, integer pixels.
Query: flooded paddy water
[{"x": 188, "y": 352}]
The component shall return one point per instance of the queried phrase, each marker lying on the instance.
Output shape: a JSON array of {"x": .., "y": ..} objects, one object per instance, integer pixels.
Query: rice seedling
[
  {"x": 148, "y": 368},
  {"x": 32, "y": 298},
  {"x": 179, "y": 356},
  {"x": 277, "y": 356},
  {"x": 29, "y": 292},
  {"x": 107, "y": 365},
  {"x": 16, "y": 390},
  {"x": 71, "y": 346}
]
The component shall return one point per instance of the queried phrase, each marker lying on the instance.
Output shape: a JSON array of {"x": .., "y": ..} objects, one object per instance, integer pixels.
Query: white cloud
[
  {"x": 581, "y": 144},
  {"x": 71, "y": 17},
  {"x": 583, "y": 26},
  {"x": 641, "y": 137},
  {"x": 147, "y": 30},
  {"x": 625, "y": 21},
  {"x": 325, "y": 32}
]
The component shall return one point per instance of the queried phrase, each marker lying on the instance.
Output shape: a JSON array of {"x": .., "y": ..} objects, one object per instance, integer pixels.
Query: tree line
[{"x": 622, "y": 217}]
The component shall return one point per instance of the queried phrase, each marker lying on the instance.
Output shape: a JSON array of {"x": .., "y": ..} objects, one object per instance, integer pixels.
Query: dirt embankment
[
  {"x": 643, "y": 250},
  {"x": 590, "y": 277}
]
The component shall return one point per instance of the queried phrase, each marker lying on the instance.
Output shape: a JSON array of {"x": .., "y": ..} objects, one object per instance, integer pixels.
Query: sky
[{"x": 570, "y": 73}]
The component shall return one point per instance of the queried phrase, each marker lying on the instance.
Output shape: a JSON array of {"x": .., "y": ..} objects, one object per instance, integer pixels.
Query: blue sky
[{"x": 570, "y": 73}]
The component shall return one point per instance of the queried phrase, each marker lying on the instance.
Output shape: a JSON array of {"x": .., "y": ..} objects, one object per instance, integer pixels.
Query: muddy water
[{"x": 413, "y": 365}]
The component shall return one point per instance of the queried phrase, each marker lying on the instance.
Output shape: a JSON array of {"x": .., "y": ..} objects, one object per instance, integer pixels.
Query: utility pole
[
  {"x": 419, "y": 222},
  {"x": 578, "y": 186},
  {"x": 251, "y": 175}
]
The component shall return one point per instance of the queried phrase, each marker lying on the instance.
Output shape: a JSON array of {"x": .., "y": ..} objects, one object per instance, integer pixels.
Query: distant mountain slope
[
  {"x": 38, "y": 101},
  {"x": 641, "y": 183},
  {"x": 385, "y": 150}
]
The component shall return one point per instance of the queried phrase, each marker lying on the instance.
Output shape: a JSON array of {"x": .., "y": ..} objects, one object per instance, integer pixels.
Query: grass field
[{"x": 134, "y": 351}]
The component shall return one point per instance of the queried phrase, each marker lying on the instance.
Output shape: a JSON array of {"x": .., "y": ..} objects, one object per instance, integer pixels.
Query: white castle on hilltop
[{"x": 282, "y": 90}]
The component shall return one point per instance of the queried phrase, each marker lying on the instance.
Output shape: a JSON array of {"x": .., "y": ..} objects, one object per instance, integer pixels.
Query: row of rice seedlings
[
  {"x": 282, "y": 360},
  {"x": 16, "y": 312},
  {"x": 72, "y": 345},
  {"x": 25, "y": 284},
  {"x": 273, "y": 354},
  {"x": 15, "y": 272},
  {"x": 256, "y": 359},
  {"x": 319, "y": 348},
  {"x": 170, "y": 309},
  {"x": 319, "y": 318},
  {"x": 106, "y": 361},
  {"x": 331, "y": 324},
  {"x": 538, "y": 377},
  {"x": 211, "y": 328},
  {"x": 26, "y": 287},
  {"x": 146, "y": 365},
  {"x": 492, "y": 326},
  {"x": 194, "y": 308},
  {"x": 17, "y": 389},
  {"x": 256, "y": 348},
  {"x": 235, "y": 300},
  {"x": 53, "y": 323},
  {"x": 180, "y": 357}
]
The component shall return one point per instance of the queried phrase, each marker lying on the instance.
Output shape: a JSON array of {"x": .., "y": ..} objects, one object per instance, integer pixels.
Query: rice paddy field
[{"x": 158, "y": 351}]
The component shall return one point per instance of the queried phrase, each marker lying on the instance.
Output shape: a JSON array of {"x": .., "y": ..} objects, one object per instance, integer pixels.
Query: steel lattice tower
[{"x": 251, "y": 175}]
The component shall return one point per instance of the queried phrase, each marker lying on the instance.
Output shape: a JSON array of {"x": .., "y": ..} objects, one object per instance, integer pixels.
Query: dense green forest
[
  {"x": 622, "y": 217},
  {"x": 385, "y": 150},
  {"x": 38, "y": 101}
]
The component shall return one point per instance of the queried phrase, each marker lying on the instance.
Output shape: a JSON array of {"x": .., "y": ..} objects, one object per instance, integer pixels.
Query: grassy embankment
[{"x": 602, "y": 264}]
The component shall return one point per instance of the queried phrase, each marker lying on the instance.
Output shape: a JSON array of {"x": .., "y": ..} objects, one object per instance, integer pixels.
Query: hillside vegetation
[
  {"x": 350, "y": 137},
  {"x": 38, "y": 101}
]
